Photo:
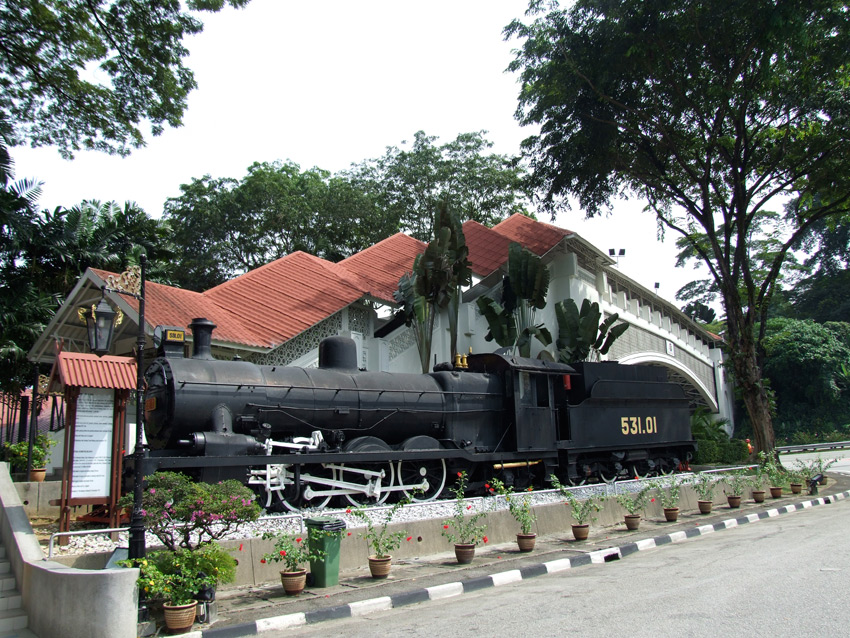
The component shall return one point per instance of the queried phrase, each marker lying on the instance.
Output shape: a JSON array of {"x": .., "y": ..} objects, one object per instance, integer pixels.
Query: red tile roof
[
  {"x": 538, "y": 237},
  {"x": 382, "y": 265},
  {"x": 283, "y": 298},
  {"x": 90, "y": 371},
  {"x": 271, "y": 304},
  {"x": 488, "y": 250},
  {"x": 169, "y": 306}
]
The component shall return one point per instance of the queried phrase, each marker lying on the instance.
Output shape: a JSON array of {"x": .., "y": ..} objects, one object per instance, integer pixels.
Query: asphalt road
[{"x": 784, "y": 576}]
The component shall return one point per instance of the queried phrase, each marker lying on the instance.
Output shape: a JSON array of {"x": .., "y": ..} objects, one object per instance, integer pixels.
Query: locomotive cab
[{"x": 536, "y": 397}]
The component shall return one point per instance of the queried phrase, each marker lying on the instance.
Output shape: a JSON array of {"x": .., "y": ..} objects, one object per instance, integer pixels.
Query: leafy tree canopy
[
  {"x": 411, "y": 182},
  {"x": 807, "y": 363},
  {"x": 711, "y": 111},
  {"x": 224, "y": 227},
  {"x": 43, "y": 254},
  {"x": 86, "y": 74}
]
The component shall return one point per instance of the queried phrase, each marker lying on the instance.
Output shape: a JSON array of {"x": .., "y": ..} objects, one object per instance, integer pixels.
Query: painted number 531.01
[{"x": 639, "y": 425}]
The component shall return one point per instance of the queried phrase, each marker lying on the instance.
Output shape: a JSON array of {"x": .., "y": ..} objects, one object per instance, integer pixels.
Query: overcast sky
[{"x": 329, "y": 84}]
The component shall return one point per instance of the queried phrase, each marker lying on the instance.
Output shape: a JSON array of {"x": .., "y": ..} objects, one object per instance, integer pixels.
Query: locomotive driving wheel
[
  {"x": 365, "y": 474},
  {"x": 291, "y": 497},
  {"x": 414, "y": 472}
]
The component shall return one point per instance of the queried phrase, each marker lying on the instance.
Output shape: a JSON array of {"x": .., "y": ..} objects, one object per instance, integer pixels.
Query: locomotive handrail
[
  {"x": 355, "y": 389},
  {"x": 268, "y": 407}
]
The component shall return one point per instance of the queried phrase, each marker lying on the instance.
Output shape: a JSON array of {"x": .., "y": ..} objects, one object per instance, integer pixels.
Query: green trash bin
[{"x": 323, "y": 533}]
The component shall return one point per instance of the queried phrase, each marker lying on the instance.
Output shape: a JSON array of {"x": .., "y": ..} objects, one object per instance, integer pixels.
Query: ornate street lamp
[{"x": 100, "y": 322}]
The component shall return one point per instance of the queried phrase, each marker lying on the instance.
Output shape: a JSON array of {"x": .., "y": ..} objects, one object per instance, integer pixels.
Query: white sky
[{"x": 329, "y": 84}]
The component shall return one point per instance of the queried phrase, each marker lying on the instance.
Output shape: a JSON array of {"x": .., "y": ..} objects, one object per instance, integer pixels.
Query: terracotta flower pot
[
  {"x": 776, "y": 492},
  {"x": 464, "y": 552},
  {"x": 37, "y": 475},
  {"x": 671, "y": 514},
  {"x": 180, "y": 618},
  {"x": 293, "y": 582},
  {"x": 581, "y": 532},
  {"x": 734, "y": 500},
  {"x": 704, "y": 507},
  {"x": 526, "y": 542},
  {"x": 632, "y": 521},
  {"x": 796, "y": 488},
  {"x": 758, "y": 496},
  {"x": 380, "y": 566}
]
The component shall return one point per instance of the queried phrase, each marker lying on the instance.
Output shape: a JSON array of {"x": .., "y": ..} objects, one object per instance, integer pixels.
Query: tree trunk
[{"x": 748, "y": 378}]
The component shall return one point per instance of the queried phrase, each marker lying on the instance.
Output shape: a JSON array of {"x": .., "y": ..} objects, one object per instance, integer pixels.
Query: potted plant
[
  {"x": 736, "y": 481},
  {"x": 704, "y": 487},
  {"x": 520, "y": 509},
  {"x": 17, "y": 454},
  {"x": 812, "y": 468},
  {"x": 462, "y": 530},
  {"x": 668, "y": 493},
  {"x": 796, "y": 478},
  {"x": 379, "y": 539},
  {"x": 581, "y": 510},
  {"x": 774, "y": 471},
  {"x": 821, "y": 466},
  {"x": 178, "y": 578},
  {"x": 633, "y": 502},
  {"x": 293, "y": 552},
  {"x": 757, "y": 485}
]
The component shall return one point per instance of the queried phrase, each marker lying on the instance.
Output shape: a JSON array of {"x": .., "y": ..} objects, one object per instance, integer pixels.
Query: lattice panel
[
  {"x": 300, "y": 345},
  {"x": 400, "y": 343}
]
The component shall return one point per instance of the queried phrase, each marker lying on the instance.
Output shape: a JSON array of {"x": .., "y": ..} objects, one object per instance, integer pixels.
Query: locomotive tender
[{"x": 302, "y": 436}]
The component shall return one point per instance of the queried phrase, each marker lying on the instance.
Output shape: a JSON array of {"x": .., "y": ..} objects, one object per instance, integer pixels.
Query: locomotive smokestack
[{"x": 202, "y": 338}]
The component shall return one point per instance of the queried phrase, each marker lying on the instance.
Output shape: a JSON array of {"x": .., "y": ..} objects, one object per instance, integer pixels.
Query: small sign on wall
[{"x": 671, "y": 349}]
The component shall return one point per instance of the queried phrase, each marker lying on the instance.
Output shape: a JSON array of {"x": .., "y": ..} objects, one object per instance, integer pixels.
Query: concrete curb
[{"x": 448, "y": 590}]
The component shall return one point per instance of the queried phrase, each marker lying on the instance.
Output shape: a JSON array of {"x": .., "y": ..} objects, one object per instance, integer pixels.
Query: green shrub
[
  {"x": 734, "y": 451},
  {"x": 707, "y": 452}
]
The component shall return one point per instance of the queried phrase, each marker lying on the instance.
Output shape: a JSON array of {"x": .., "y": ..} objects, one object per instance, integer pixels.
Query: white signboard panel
[{"x": 92, "y": 463}]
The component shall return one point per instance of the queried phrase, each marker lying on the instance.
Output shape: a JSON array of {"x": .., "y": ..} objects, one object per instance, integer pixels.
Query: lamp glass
[{"x": 100, "y": 324}]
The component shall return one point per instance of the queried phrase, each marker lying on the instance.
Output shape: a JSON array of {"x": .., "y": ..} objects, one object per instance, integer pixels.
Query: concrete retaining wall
[
  {"x": 426, "y": 537},
  {"x": 58, "y": 598}
]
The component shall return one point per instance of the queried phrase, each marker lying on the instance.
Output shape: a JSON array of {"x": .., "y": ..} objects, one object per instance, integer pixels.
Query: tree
[
  {"x": 582, "y": 335},
  {"x": 44, "y": 255},
  {"x": 804, "y": 363},
  {"x": 698, "y": 311},
  {"x": 224, "y": 227},
  {"x": 411, "y": 183},
  {"x": 52, "y": 52},
  {"x": 512, "y": 323},
  {"x": 711, "y": 111},
  {"x": 460, "y": 269},
  {"x": 824, "y": 294},
  {"x": 435, "y": 284}
]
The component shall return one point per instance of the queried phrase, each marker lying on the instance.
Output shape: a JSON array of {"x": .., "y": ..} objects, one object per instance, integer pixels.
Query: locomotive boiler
[{"x": 302, "y": 436}]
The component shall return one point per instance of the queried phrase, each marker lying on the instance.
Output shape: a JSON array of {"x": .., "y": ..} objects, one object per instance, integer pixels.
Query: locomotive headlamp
[{"x": 100, "y": 324}]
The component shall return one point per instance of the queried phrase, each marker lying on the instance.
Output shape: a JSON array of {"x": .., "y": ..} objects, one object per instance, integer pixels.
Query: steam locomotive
[{"x": 303, "y": 436}]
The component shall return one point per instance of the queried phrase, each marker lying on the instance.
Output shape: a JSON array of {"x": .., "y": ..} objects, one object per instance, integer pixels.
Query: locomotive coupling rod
[{"x": 505, "y": 466}]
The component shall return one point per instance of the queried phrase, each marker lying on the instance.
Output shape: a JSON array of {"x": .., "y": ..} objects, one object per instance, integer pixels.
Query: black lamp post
[{"x": 100, "y": 323}]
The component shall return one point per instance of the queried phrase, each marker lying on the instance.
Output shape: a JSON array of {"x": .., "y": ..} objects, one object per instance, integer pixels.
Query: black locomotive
[{"x": 302, "y": 436}]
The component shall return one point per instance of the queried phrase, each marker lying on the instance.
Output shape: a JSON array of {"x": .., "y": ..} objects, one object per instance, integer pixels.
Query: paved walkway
[{"x": 252, "y": 610}]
